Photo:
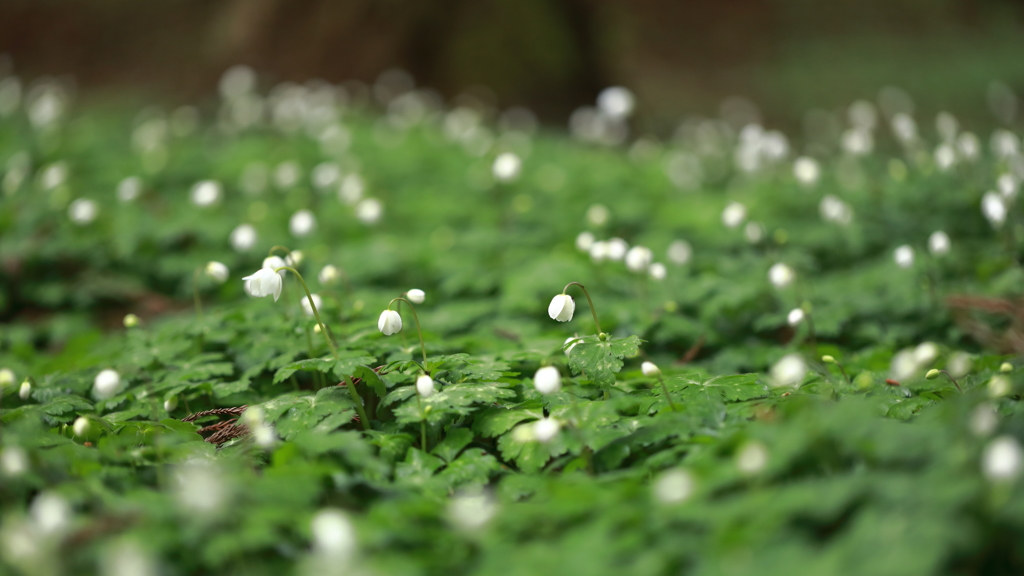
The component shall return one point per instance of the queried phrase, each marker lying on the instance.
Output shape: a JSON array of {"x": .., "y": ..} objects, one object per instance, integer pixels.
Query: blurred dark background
[{"x": 678, "y": 56}]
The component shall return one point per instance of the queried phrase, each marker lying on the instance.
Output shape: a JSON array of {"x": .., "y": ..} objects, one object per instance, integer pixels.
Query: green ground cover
[{"x": 747, "y": 454}]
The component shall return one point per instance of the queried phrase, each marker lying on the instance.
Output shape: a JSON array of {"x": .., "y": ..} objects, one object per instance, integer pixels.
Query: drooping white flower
[
  {"x": 788, "y": 371},
  {"x": 264, "y": 283},
  {"x": 13, "y": 461},
  {"x": 294, "y": 258},
  {"x": 781, "y": 275},
  {"x": 673, "y": 486},
  {"x": 806, "y": 170},
  {"x": 205, "y": 193},
  {"x": 545, "y": 429},
  {"x": 994, "y": 209},
  {"x": 679, "y": 252},
  {"x": 734, "y": 214},
  {"x": 547, "y": 380},
  {"x": 584, "y": 240},
  {"x": 506, "y": 167},
  {"x": 984, "y": 420},
  {"x": 471, "y": 511},
  {"x": 425, "y": 385},
  {"x": 390, "y": 322},
  {"x": 938, "y": 243},
  {"x": 218, "y": 271},
  {"x": 333, "y": 534},
  {"x": 81, "y": 426},
  {"x": 329, "y": 274},
  {"x": 369, "y": 210},
  {"x": 6, "y": 377},
  {"x": 752, "y": 457},
  {"x": 832, "y": 209},
  {"x": 243, "y": 237},
  {"x": 1007, "y": 185},
  {"x": 51, "y": 514},
  {"x": 598, "y": 214},
  {"x": 306, "y": 308},
  {"x": 171, "y": 403},
  {"x": 83, "y": 211},
  {"x": 25, "y": 390},
  {"x": 650, "y": 369},
  {"x": 638, "y": 258},
  {"x": 968, "y": 146},
  {"x": 945, "y": 157},
  {"x": 617, "y": 248},
  {"x": 106, "y": 384},
  {"x": 275, "y": 263},
  {"x": 561, "y": 307},
  {"x": 1002, "y": 459},
  {"x": 904, "y": 256},
  {"x": 599, "y": 251},
  {"x": 795, "y": 316},
  {"x": 657, "y": 271},
  {"x": 129, "y": 189},
  {"x": 616, "y": 102},
  {"x": 302, "y": 223},
  {"x": 416, "y": 296},
  {"x": 570, "y": 346}
]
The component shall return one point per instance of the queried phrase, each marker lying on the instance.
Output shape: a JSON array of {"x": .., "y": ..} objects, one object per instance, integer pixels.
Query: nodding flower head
[
  {"x": 416, "y": 296},
  {"x": 274, "y": 263},
  {"x": 217, "y": 271},
  {"x": 329, "y": 275},
  {"x": 425, "y": 386},
  {"x": 650, "y": 369},
  {"x": 561, "y": 308},
  {"x": 264, "y": 283},
  {"x": 547, "y": 380},
  {"x": 638, "y": 258},
  {"x": 390, "y": 322}
]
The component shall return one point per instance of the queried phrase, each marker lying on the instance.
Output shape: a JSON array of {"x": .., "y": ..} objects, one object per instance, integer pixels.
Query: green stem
[
  {"x": 953, "y": 380},
  {"x": 273, "y": 249},
  {"x": 664, "y": 388},
  {"x": 195, "y": 291},
  {"x": 591, "y": 302},
  {"x": 334, "y": 350},
  {"x": 423, "y": 424},
  {"x": 423, "y": 346}
]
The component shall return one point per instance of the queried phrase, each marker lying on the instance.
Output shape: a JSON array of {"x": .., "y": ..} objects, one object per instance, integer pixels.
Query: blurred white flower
[
  {"x": 616, "y": 101},
  {"x": 752, "y": 457},
  {"x": 679, "y": 252},
  {"x": 171, "y": 404},
  {"x": 127, "y": 558},
  {"x": 287, "y": 174},
  {"x": 584, "y": 240},
  {"x": 904, "y": 127},
  {"x": 275, "y": 263},
  {"x": 862, "y": 114},
  {"x": 734, "y": 214},
  {"x": 416, "y": 296},
  {"x": 947, "y": 126},
  {"x": 795, "y": 316},
  {"x": 425, "y": 386},
  {"x": 599, "y": 251},
  {"x": 506, "y": 167},
  {"x": 968, "y": 146},
  {"x": 806, "y": 170},
  {"x": 858, "y": 142},
  {"x": 50, "y": 513},
  {"x": 6, "y": 377},
  {"x": 832, "y": 209},
  {"x": 243, "y": 237},
  {"x": 617, "y": 248},
  {"x": 369, "y": 210},
  {"x": 571, "y": 346},
  {"x": 1002, "y": 459},
  {"x": 13, "y": 461},
  {"x": 994, "y": 209},
  {"x": 904, "y": 256},
  {"x": 657, "y": 271},
  {"x": 25, "y": 390},
  {"x": 945, "y": 157},
  {"x": 547, "y": 380},
  {"x": 938, "y": 243},
  {"x": 788, "y": 371},
  {"x": 351, "y": 190},
  {"x": 205, "y": 193},
  {"x": 984, "y": 419},
  {"x": 1004, "y": 143},
  {"x": 106, "y": 384},
  {"x": 333, "y": 534},
  {"x": 82, "y": 211},
  {"x": 294, "y": 258},
  {"x": 650, "y": 369},
  {"x": 307, "y": 309},
  {"x": 471, "y": 511},
  {"x": 999, "y": 386},
  {"x": 329, "y": 274},
  {"x": 545, "y": 429},
  {"x": 959, "y": 364},
  {"x": 904, "y": 365},
  {"x": 216, "y": 270},
  {"x": 1007, "y": 185},
  {"x": 301, "y": 223},
  {"x": 639, "y": 258},
  {"x": 925, "y": 353},
  {"x": 199, "y": 487},
  {"x": 264, "y": 282},
  {"x": 754, "y": 232},
  {"x": 129, "y": 189},
  {"x": 781, "y": 275},
  {"x": 598, "y": 214},
  {"x": 81, "y": 427},
  {"x": 325, "y": 175},
  {"x": 673, "y": 486}
]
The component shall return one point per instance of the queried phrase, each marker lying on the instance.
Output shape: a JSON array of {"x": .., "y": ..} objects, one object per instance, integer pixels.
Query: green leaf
[
  {"x": 453, "y": 443},
  {"x": 601, "y": 360}
]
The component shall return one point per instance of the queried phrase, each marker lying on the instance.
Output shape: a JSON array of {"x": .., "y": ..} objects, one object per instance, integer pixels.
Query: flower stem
[
  {"x": 664, "y": 388},
  {"x": 591, "y": 302},
  {"x": 423, "y": 346},
  {"x": 323, "y": 330},
  {"x": 285, "y": 249},
  {"x": 953, "y": 380},
  {"x": 195, "y": 291}
]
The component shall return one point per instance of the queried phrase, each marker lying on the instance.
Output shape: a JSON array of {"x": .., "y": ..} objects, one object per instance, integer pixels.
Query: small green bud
[
  {"x": 131, "y": 320},
  {"x": 932, "y": 374},
  {"x": 1006, "y": 367},
  {"x": 828, "y": 359}
]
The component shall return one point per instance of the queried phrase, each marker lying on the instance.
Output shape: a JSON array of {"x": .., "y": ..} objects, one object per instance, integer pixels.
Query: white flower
[
  {"x": 904, "y": 365},
  {"x": 858, "y": 141},
  {"x": 999, "y": 386},
  {"x": 81, "y": 426},
  {"x": 617, "y": 248},
  {"x": 904, "y": 126},
  {"x": 584, "y": 241},
  {"x": 679, "y": 252},
  {"x": 369, "y": 211},
  {"x": 561, "y": 308},
  {"x": 1007, "y": 186},
  {"x": 754, "y": 232},
  {"x": 832, "y": 209},
  {"x": 616, "y": 102},
  {"x": 329, "y": 274},
  {"x": 309, "y": 309},
  {"x": 416, "y": 296},
  {"x": 968, "y": 146},
  {"x": 752, "y": 457},
  {"x": 959, "y": 364},
  {"x": 938, "y": 243},
  {"x": 25, "y": 390},
  {"x": 598, "y": 214},
  {"x": 390, "y": 322},
  {"x": 199, "y": 487},
  {"x": 545, "y": 429},
  {"x": 106, "y": 384},
  {"x": 547, "y": 380},
  {"x": 294, "y": 258},
  {"x": 904, "y": 256},
  {"x": 129, "y": 189},
  {"x": 781, "y": 275},
  {"x": 127, "y": 558},
  {"x": 657, "y": 271},
  {"x": 650, "y": 369},
  {"x": 925, "y": 353},
  {"x": 264, "y": 435},
  {"x": 984, "y": 420},
  {"x": 599, "y": 251},
  {"x": 788, "y": 371},
  {"x": 217, "y": 271},
  {"x": 425, "y": 386},
  {"x": 325, "y": 174},
  {"x": 171, "y": 404},
  {"x": 806, "y": 170},
  {"x": 301, "y": 223},
  {"x": 50, "y": 513},
  {"x": 333, "y": 534},
  {"x": 506, "y": 167},
  {"x": 264, "y": 283},
  {"x": 351, "y": 189},
  {"x": 205, "y": 193},
  {"x": 673, "y": 486},
  {"x": 275, "y": 263},
  {"x": 638, "y": 258},
  {"x": 6, "y": 377},
  {"x": 13, "y": 461},
  {"x": 945, "y": 157},
  {"x": 571, "y": 346},
  {"x": 1002, "y": 459},
  {"x": 82, "y": 211},
  {"x": 994, "y": 209},
  {"x": 734, "y": 214},
  {"x": 471, "y": 511},
  {"x": 795, "y": 316},
  {"x": 243, "y": 237}
]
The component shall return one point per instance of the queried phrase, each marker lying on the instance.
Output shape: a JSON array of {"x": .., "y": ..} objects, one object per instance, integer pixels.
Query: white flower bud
[
  {"x": 171, "y": 404},
  {"x": 616, "y": 102},
  {"x": 795, "y": 316},
  {"x": 994, "y": 209},
  {"x": 82, "y": 211},
  {"x": 302, "y": 223},
  {"x": 547, "y": 380},
  {"x": 106, "y": 384},
  {"x": 734, "y": 214},
  {"x": 571, "y": 346},
  {"x": 1002, "y": 459},
  {"x": 639, "y": 258},
  {"x": 329, "y": 274},
  {"x": 806, "y": 170},
  {"x": 13, "y": 461},
  {"x": 617, "y": 248},
  {"x": 584, "y": 241},
  {"x": 306, "y": 308},
  {"x": 545, "y": 429},
  {"x": 243, "y": 237},
  {"x": 416, "y": 296},
  {"x": 81, "y": 426},
  {"x": 6, "y": 377},
  {"x": 781, "y": 275},
  {"x": 25, "y": 390},
  {"x": 217, "y": 271},
  {"x": 275, "y": 263},
  {"x": 333, "y": 534},
  {"x": 205, "y": 193},
  {"x": 390, "y": 322},
  {"x": 657, "y": 271},
  {"x": 673, "y": 486},
  {"x": 561, "y": 308},
  {"x": 752, "y": 457},
  {"x": 506, "y": 167},
  {"x": 294, "y": 258},
  {"x": 425, "y": 386},
  {"x": 598, "y": 214},
  {"x": 369, "y": 211},
  {"x": 788, "y": 371},
  {"x": 264, "y": 283},
  {"x": 904, "y": 256},
  {"x": 938, "y": 243},
  {"x": 650, "y": 369}
]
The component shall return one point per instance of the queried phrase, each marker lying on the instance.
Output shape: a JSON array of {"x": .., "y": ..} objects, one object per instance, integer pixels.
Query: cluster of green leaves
[{"x": 837, "y": 475}]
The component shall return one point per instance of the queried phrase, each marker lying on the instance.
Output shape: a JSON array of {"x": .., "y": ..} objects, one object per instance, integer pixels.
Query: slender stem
[
  {"x": 195, "y": 291},
  {"x": 845, "y": 375},
  {"x": 664, "y": 388},
  {"x": 285, "y": 249},
  {"x": 953, "y": 380},
  {"x": 423, "y": 346},
  {"x": 591, "y": 302},
  {"x": 323, "y": 330}
]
